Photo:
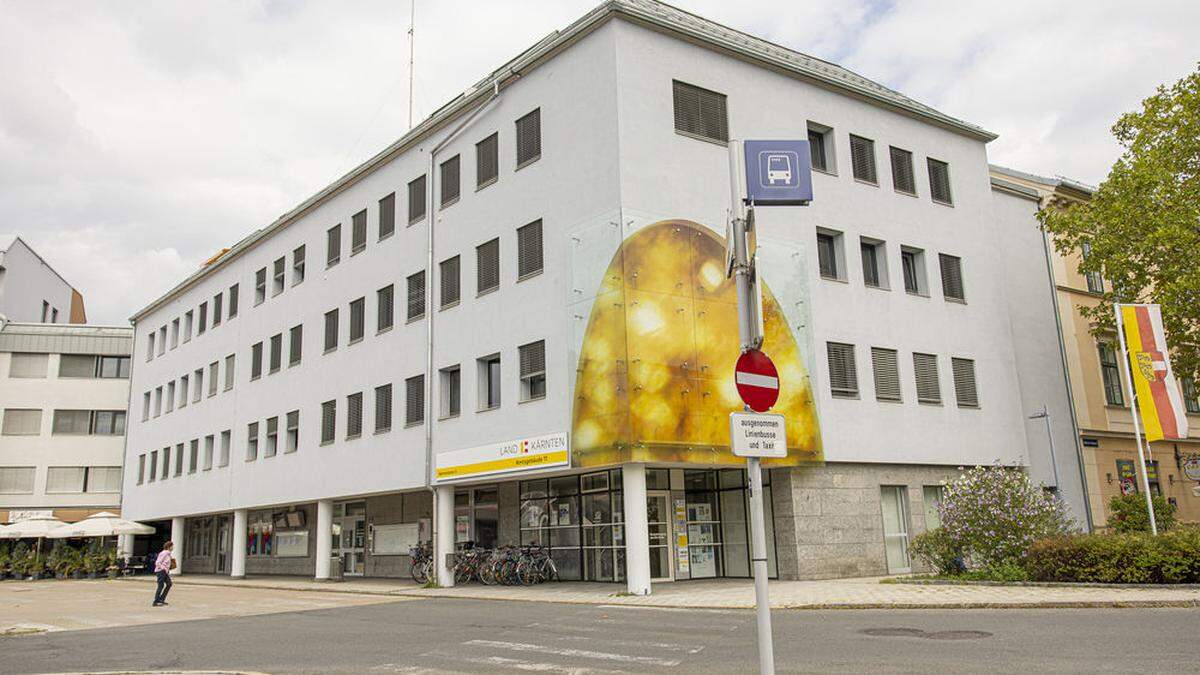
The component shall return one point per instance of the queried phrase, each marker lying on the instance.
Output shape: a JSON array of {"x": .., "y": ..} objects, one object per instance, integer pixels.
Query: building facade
[
  {"x": 1099, "y": 376},
  {"x": 64, "y": 390},
  {"x": 513, "y": 326},
  {"x": 30, "y": 290}
]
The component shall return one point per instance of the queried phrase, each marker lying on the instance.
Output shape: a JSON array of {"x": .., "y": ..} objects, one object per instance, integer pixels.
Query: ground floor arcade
[{"x": 633, "y": 524}]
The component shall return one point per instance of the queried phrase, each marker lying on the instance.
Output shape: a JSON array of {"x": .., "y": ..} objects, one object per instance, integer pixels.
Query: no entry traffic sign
[{"x": 757, "y": 380}]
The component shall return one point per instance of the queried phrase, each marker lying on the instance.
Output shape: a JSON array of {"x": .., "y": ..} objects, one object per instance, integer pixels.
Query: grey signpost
[{"x": 777, "y": 173}]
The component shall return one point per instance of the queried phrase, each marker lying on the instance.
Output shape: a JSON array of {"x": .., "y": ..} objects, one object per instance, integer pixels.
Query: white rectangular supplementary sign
[
  {"x": 757, "y": 435},
  {"x": 517, "y": 455}
]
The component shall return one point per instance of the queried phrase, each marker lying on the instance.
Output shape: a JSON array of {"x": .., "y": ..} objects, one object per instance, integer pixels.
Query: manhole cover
[{"x": 918, "y": 633}]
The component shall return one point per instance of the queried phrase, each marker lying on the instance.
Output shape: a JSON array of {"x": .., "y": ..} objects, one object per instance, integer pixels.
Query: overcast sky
[{"x": 138, "y": 138}]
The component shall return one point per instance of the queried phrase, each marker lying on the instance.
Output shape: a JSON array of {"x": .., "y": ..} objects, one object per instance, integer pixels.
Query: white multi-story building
[
  {"x": 534, "y": 276},
  {"x": 30, "y": 290},
  {"x": 64, "y": 390}
]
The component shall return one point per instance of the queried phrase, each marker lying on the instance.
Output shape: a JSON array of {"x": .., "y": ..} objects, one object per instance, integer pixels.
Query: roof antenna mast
[{"x": 412, "y": 23}]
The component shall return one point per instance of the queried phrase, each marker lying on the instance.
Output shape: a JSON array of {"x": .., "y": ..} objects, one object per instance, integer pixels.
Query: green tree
[
  {"x": 1143, "y": 223},
  {"x": 1127, "y": 513}
]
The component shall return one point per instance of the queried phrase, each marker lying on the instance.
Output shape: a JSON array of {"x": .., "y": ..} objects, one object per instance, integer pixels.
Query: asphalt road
[{"x": 472, "y": 636}]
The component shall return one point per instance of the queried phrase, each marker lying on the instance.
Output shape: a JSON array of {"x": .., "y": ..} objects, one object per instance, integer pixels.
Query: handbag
[{"x": 173, "y": 563}]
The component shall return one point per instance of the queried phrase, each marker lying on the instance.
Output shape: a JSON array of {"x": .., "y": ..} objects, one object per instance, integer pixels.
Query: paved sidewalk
[{"x": 865, "y": 593}]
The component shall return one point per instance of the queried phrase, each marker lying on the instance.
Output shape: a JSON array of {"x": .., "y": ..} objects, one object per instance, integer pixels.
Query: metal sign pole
[
  {"x": 1137, "y": 422},
  {"x": 748, "y": 335}
]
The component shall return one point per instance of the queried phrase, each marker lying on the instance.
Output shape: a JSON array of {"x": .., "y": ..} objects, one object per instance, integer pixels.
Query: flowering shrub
[{"x": 994, "y": 513}]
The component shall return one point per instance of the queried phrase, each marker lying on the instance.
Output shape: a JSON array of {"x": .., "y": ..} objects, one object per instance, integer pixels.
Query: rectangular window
[
  {"x": 862, "y": 159},
  {"x": 226, "y": 441},
  {"x": 450, "y": 282},
  {"x": 32, "y": 366},
  {"x": 141, "y": 470},
  {"x": 383, "y": 408},
  {"x": 71, "y": 422},
  {"x": 256, "y": 361},
  {"x": 150, "y": 346},
  {"x": 1110, "y": 373},
  {"x": 385, "y": 306},
  {"x": 887, "y": 374},
  {"x": 489, "y": 382},
  {"x": 104, "y": 479},
  {"x": 188, "y": 326},
  {"x": 933, "y": 495},
  {"x": 333, "y": 245},
  {"x": 193, "y": 455},
  {"x": 278, "y": 277},
  {"x": 18, "y": 480},
  {"x": 451, "y": 391},
  {"x": 109, "y": 423},
  {"x": 387, "y": 216},
  {"x": 292, "y": 443},
  {"x": 229, "y": 361},
  {"x": 260, "y": 286},
  {"x": 64, "y": 479},
  {"x": 939, "y": 181},
  {"x": 820, "y": 147},
  {"x": 217, "y": 301},
  {"x": 358, "y": 232},
  {"x": 174, "y": 333},
  {"x": 252, "y": 441},
  {"x": 76, "y": 365},
  {"x": 295, "y": 344},
  {"x": 487, "y": 258},
  {"x": 929, "y": 390},
  {"x": 198, "y": 382},
  {"x": 357, "y": 319},
  {"x": 214, "y": 370},
  {"x": 328, "y": 421},
  {"x": 354, "y": 414},
  {"x": 331, "y": 330},
  {"x": 209, "y": 443},
  {"x": 162, "y": 340},
  {"x": 272, "y": 447},
  {"x": 874, "y": 262},
  {"x": 202, "y": 319},
  {"x": 153, "y": 465},
  {"x": 1191, "y": 397},
  {"x": 416, "y": 200},
  {"x": 829, "y": 254},
  {"x": 533, "y": 370},
  {"x": 298, "y": 265},
  {"x": 952, "y": 279},
  {"x": 145, "y": 406},
  {"x": 843, "y": 374},
  {"x": 170, "y": 396},
  {"x": 183, "y": 390},
  {"x": 1095, "y": 282},
  {"x": 903, "y": 179},
  {"x": 964, "y": 382},
  {"x": 700, "y": 112},
  {"x": 912, "y": 263},
  {"x": 449, "y": 179},
  {"x": 233, "y": 301},
  {"x": 529, "y": 249},
  {"x": 178, "y": 460},
  {"x": 416, "y": 296},
  {"x": 276, "y": 352},
  {"x": 414, "y": 400},
  {"x": 529, "y": 138},
  {"x": 158, "y": 401},
  {"x": 487, "y": 161},
  {"x": 113, "y": 367}
]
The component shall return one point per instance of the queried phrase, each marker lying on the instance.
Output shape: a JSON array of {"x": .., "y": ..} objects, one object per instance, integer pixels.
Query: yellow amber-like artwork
[{"x": 655, "y": 373}]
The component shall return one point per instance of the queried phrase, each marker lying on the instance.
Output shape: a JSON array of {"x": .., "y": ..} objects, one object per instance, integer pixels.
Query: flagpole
[{"x": 1137, "y": 423}]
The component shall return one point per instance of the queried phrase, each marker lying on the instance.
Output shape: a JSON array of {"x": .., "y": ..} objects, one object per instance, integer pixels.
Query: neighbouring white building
[
  {"x": 530, "y": 285},
  {"x": 64, "y": 390},
  {"x": 30, "y": 290}
]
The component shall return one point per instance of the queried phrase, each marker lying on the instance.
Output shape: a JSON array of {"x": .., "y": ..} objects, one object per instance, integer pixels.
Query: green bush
[
  {"x": 1127, "y": 513},
  {"x": 938, "y": 551},
  {"x": 1126, "y": 558}
]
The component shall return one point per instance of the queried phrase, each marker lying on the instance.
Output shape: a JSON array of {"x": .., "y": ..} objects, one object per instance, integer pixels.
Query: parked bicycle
[
  {"x": 421, "y": 563},
  {"x": 507, "y": 565}
]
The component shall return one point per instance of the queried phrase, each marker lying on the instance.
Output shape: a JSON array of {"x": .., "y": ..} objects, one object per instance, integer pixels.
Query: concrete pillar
[
  {"x": 237, "y": 551},
  {"x": 124, "y": 546},
  {"x": 324, "y": 538},
  {"x": 177, "y": 524},
  {"x": 637, "y": 530},
  {"x": 443, "y": 545}
]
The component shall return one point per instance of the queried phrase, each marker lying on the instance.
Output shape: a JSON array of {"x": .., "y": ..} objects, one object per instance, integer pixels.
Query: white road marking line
[
  {"x": 521, "y": 665},
  {"x": 668, "y": 646},
  {"x": 756, "y": 380},
  {"x": 576, "y": 653},
  {"x": 672, "y": 609}
]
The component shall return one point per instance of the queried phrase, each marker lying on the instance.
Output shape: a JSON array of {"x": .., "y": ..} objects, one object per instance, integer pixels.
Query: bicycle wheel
[
  {"x": 549, "y": 571},
  {"x": 420, "y": 571}
]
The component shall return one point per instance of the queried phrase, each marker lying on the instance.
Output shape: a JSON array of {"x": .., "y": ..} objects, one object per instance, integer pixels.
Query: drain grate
[{"x": 918, "y": 633}]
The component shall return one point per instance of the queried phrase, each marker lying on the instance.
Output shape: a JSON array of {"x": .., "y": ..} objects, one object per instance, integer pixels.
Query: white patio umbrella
[
  {"x": 36, "y": 527},
  {"x": 103, "y": 524}
]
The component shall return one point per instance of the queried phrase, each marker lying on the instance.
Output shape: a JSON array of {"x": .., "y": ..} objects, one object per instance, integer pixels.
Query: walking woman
[{"x": 162, "y": 569}]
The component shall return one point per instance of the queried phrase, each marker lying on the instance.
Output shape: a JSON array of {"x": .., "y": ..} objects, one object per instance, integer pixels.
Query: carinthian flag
[{"x": 1159, "y": 400}]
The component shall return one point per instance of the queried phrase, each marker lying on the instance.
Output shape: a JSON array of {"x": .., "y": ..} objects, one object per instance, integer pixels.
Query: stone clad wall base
[{"x": 829, "y": 519}]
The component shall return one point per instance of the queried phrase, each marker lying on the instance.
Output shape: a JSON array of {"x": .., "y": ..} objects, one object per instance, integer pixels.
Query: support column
[
  {"x": 124, "y": 546},
  {"x": 637, "y": 530},
  {"x": 324, "y": 538},
  {"x": 177, "y": 524},
  {"x": 443, "y": 545},
  {"x": 237, "y": 552}
]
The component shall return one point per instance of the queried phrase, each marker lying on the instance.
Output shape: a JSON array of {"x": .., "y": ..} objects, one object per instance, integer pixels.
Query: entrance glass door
[
  {"x": 895, "y": 529},
  {"x": 350, "y": 537},
  {"x": 658, "y": 517},
  {"x": 223, "y": 545}
]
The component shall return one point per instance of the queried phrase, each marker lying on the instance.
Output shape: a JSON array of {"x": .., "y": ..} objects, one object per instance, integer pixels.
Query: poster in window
[{"x": 292, "y": 544}]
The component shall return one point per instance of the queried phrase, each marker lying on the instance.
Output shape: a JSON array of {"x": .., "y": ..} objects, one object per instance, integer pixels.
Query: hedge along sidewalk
[
  {"x": 935, "y": 581},
  {"x": 737, "y": 594}
]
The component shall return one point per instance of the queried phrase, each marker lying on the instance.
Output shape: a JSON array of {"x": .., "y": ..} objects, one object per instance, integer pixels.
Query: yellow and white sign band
[{"x": 539, "y": 452}]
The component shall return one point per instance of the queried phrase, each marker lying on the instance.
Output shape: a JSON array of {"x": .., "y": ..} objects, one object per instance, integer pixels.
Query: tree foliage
[{"x": 1143, "y": 223}]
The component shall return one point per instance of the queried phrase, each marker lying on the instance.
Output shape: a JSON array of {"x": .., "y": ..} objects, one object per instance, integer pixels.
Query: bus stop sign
[{"x": 778, "y": 173}]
